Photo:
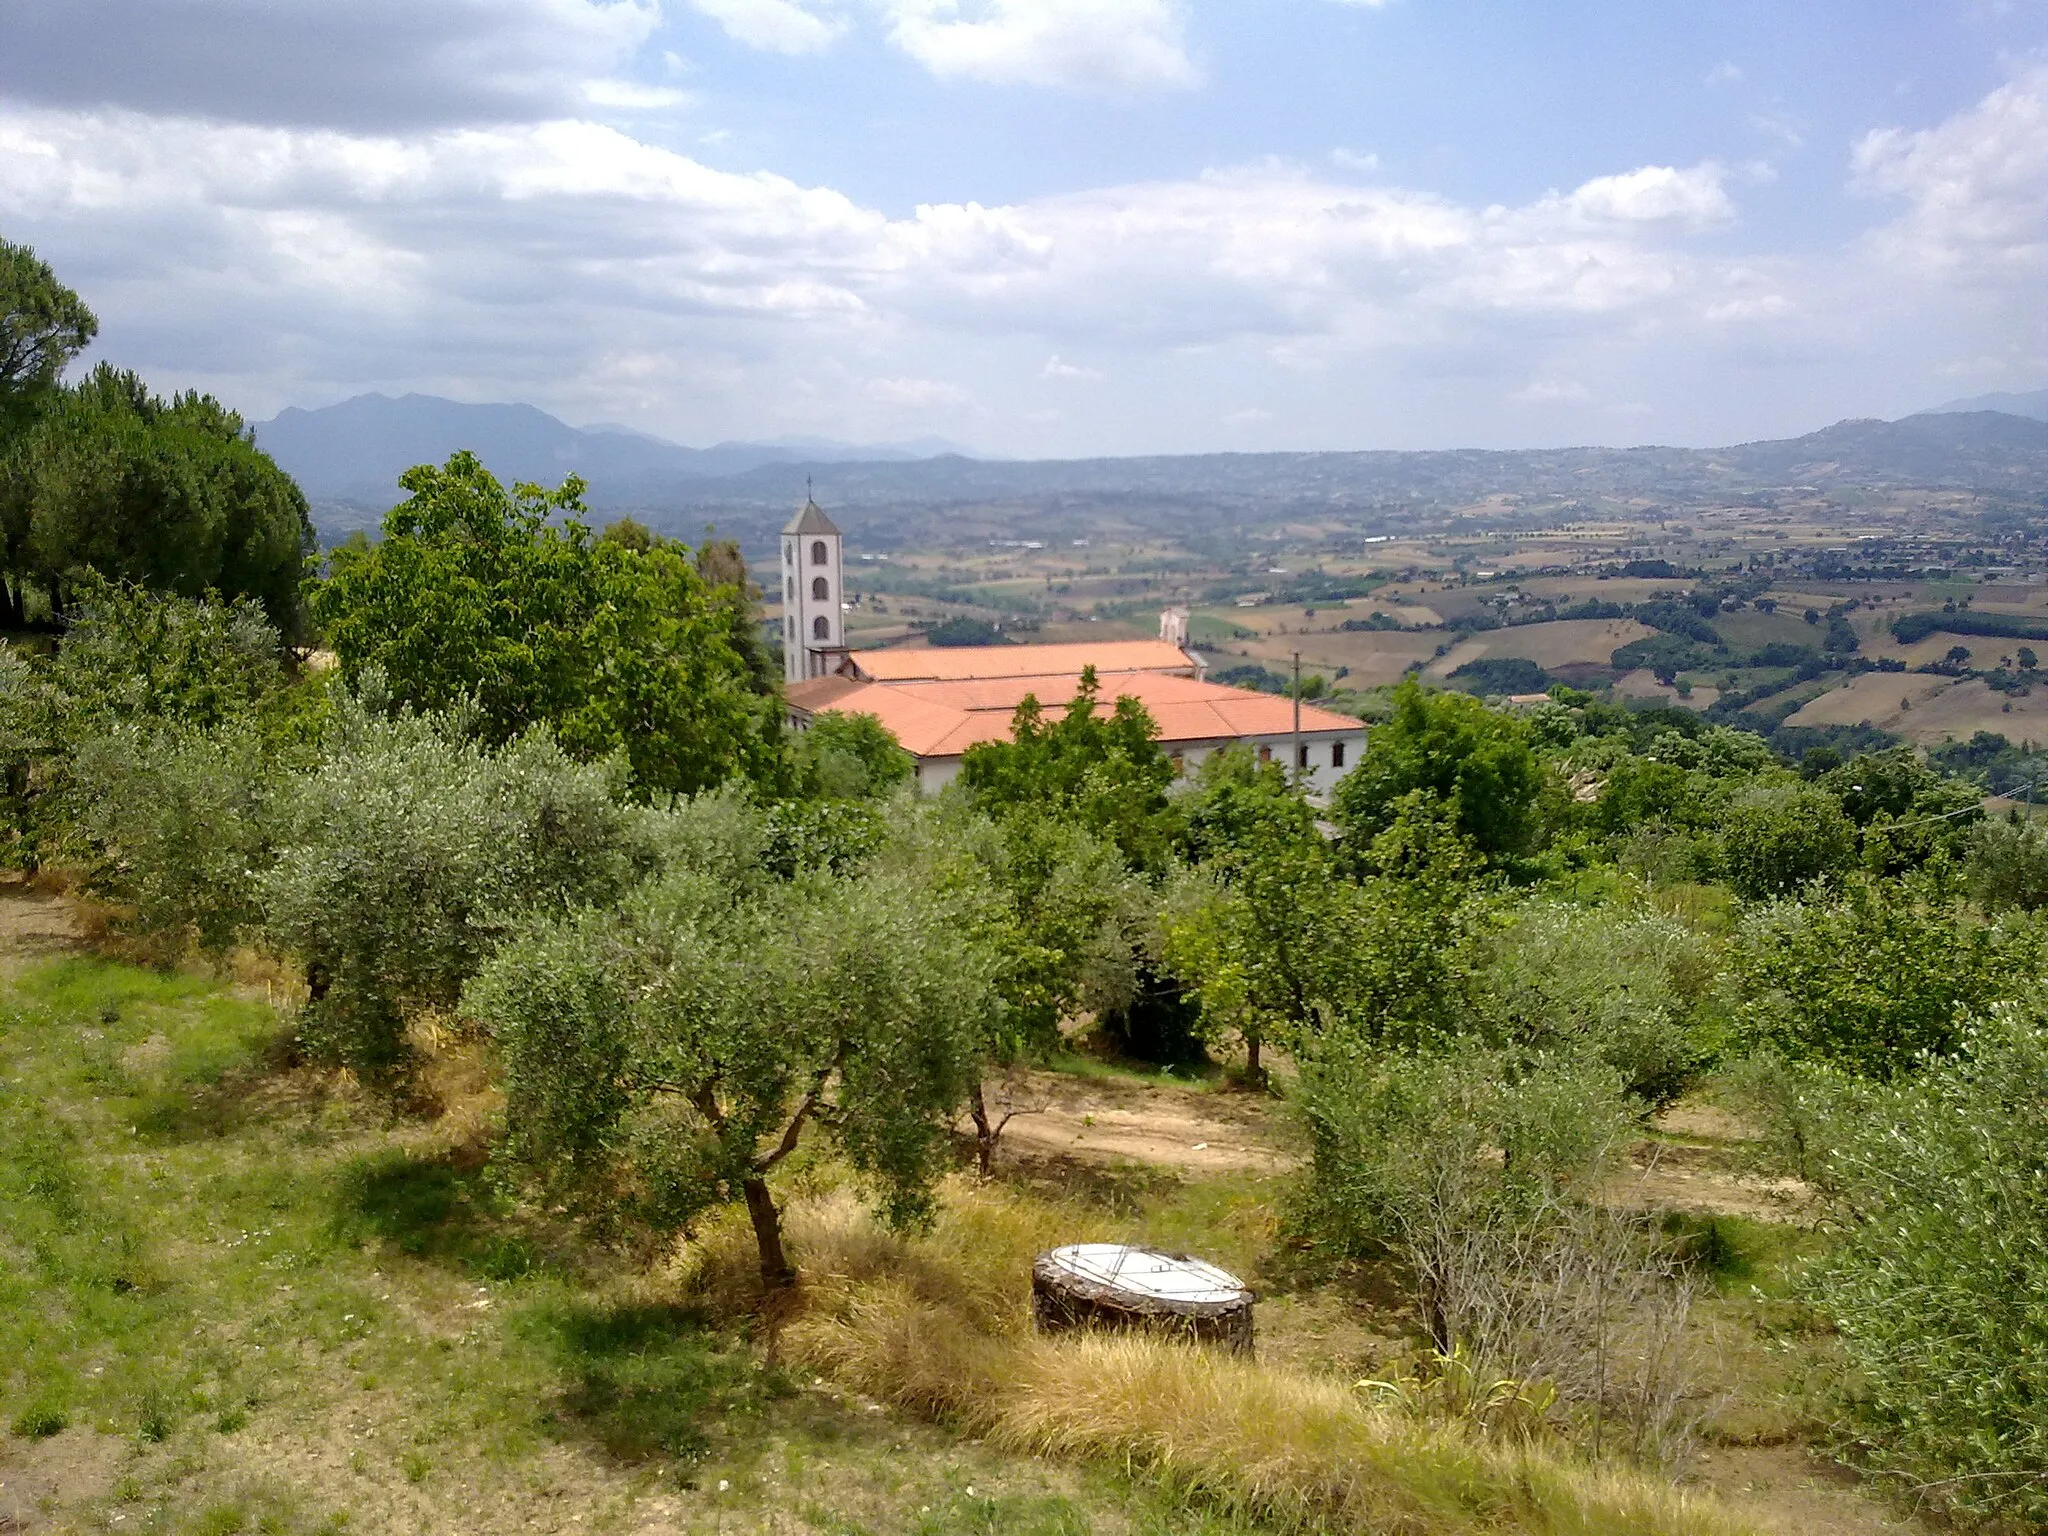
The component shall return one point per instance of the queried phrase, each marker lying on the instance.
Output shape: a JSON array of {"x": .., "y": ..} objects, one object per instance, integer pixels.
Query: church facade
[{"x": 939, "y": 701}]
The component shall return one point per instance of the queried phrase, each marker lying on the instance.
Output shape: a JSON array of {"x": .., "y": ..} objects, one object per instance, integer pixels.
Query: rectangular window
[
  {"x": 1336, "y": 754},
  {"x": 1265, "y": 754},
  {"x": 1301, "y": 755}
]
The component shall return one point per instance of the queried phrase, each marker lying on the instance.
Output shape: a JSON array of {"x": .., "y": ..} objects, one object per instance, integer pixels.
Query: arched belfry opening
[{"x": 814, "y": 613}]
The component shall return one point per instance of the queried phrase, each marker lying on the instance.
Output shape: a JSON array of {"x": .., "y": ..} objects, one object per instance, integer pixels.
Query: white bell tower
[{"x": 813, "y": 587}]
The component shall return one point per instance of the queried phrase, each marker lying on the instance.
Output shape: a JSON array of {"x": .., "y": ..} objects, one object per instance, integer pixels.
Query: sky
[{"x": 1053, "y": 228}]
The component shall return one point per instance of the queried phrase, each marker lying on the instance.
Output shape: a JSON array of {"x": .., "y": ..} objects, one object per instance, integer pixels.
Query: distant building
[
  {"x": 813, "y": 596},
  {"x": 939, "y": 701}
]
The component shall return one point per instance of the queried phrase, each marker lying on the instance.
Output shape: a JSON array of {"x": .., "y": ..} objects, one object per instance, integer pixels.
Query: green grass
[
  {"x": 1198, "y": 1077},
  {"x": 216, "y": 1262}
]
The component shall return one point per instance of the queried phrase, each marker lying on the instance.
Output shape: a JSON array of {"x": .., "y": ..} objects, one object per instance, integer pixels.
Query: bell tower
[{"x": 813, "y": 588}]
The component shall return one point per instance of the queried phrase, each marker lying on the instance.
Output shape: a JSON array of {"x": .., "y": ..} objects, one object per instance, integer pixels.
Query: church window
[
  {"x": 817, "y": 551},
  {"x": 789, "y": 627},
  {"x": 819, "y": 590},
  {"x": 789, "y": 554},
  {"x": 821, "y": 627},
  {"x": 791, "y": 587}
]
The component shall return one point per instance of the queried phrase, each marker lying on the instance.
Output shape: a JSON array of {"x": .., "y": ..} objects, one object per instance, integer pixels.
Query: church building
[{"x": 940, "y": 700}]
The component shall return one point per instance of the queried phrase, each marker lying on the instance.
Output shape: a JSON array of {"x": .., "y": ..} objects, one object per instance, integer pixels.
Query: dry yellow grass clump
[{"x": 940, "y": 1325}]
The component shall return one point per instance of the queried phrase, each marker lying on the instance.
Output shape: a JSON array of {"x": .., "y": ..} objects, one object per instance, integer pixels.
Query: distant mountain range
[
  {"x": 348, "y": 458},
  {"x": 356, "y": 450},
  {"x": 2034, "y": 404}
]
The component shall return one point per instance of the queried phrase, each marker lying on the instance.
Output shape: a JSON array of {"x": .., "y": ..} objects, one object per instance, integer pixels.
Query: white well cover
[{"x": 1145, "y": 1273}]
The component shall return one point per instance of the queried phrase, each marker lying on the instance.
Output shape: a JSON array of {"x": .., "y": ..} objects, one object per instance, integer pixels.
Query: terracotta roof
[
  {"x": 819, "y": 692},
  {"x": 952, "y": 663},
  {"x": 811, "y": 519},
  {"x": 944, "y": 719}
]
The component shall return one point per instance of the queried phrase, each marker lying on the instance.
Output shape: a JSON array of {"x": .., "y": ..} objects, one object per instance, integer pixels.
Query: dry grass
[{"x": 939, "y": 1325}]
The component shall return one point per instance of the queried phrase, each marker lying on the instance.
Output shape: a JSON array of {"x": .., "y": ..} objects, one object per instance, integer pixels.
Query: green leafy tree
[
  {"x": 407, "y": 855},
  {"x": 848, "y": 757},
  {"x": 43, "y": 326},
  {"x": 1101, "y": 769},
  {"x": 665, "y": 1057},
  {"x": 1399, "y": 949},
  {"x": 1779, "y": 837},
  {"x": 504, "y": 600},
  {"x": 1876, "y": 977},
  {"x": 1477, "y": 762},
  {"x": 1246, "y": 930},
  {"x": 170, "y": 494}
]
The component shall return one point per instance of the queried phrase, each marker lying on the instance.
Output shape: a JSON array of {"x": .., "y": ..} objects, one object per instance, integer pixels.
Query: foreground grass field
[
  {"x": 232, "y": 1300},
  {"x": 235, "y": 1296}
]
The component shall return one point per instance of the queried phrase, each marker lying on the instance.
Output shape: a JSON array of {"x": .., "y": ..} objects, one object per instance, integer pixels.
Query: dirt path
[
  {"x": 35, "y": 925},
  {"x": 1111, "y": 1120}
]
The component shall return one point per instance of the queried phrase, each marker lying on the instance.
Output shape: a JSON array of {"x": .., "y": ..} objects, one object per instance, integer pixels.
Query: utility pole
[{"x": 1297, "y": 720}]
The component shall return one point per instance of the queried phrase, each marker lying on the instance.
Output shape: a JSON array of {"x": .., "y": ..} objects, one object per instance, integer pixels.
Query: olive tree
[
  {"x": 1935, "y": 1282},
  {"x": 1634, "y": 989},
  {"x": 663, "y": 1057},
  {"x": 408, "y": 853}
]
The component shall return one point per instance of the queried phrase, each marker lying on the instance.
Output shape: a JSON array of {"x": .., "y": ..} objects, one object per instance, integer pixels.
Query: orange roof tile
[
  {"x": 944, "y": 719},
  {"x": 815, "y": 693},
  {"x": 955, "y": 663}
]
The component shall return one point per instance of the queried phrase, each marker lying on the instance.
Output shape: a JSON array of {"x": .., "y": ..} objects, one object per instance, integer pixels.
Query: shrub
[
  {"x": 187, "y": 823},
  {"x": 1938, "y": 1283},
  {"x": 848, "y": 757},
  {"x": 2007, "y": 865},
  {"x": 1413, "y": 1154}
]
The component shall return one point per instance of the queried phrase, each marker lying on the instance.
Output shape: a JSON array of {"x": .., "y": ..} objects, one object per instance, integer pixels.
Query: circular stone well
[{"x": 1117, "y": 1286}]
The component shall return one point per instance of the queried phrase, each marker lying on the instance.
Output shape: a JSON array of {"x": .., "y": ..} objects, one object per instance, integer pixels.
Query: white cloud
[
  {"x": 1551, "y": 392},
  {"x": 1656, "y": 192},
  {"x": 1727, "y": 72},
  {"x": 1105, "y": 46},
  {"x": 1352, "y": 160},
  {"x": 570, "y": 263},
  {"x": 1055, "y": 369},
  {"x": 627, "y": 95},
  {"x": 1975, "y": 186},
  {"x": 779, "y": 26},
  {"x": 295, "y": 254}
]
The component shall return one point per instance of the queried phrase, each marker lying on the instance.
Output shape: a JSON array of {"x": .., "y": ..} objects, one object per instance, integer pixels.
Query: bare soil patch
[
  {"x": 1102, "y": 1120},
  {"x": 36, "y": 924}
]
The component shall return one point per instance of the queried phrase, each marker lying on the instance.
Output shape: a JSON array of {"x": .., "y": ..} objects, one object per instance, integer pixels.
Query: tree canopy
[
  {"x": 43, "y": 325},
  {"x": 502, "y": 601},
  {"x": 1453, "y": 748},
  {"x": 171, "y": 494},
  {"x": 1103, "y": 770}
]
